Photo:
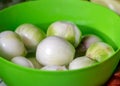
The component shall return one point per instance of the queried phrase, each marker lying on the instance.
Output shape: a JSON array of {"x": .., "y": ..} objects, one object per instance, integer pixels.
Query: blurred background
[
  {"x": 6, "y": 3},
  {"x": 111, "y": 4}
]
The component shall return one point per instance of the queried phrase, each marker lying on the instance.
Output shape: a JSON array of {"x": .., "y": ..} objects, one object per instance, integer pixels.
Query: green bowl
[{"x": 89, "y": 17}]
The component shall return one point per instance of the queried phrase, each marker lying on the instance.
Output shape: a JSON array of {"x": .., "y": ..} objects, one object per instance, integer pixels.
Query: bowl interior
[
  {"x": 84, "y": 14},
  {"x": 89, "y": 17}
]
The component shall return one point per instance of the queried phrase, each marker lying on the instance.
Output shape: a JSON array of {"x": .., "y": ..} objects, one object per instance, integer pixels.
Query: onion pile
[{"x": 61, "y": 48}]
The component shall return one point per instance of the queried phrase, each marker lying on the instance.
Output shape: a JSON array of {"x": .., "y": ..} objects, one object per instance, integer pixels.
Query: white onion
[
  {"x": 54, "y": 68},
  {"x": 55, "y": 50},
  {"x": 67, "y": 30},
  {"x": 100, "y": 51},
  {"x": 86, "y": 41},
  {"x": 11, "y": 45},
  {"x": 81, "y": 62},
  {"x": 31, "y": 35},
  {"x": 20, "y": 60}
]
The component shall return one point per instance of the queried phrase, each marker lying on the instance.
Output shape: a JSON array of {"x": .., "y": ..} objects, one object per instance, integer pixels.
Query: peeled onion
[{"x": 55, "y": 50}]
